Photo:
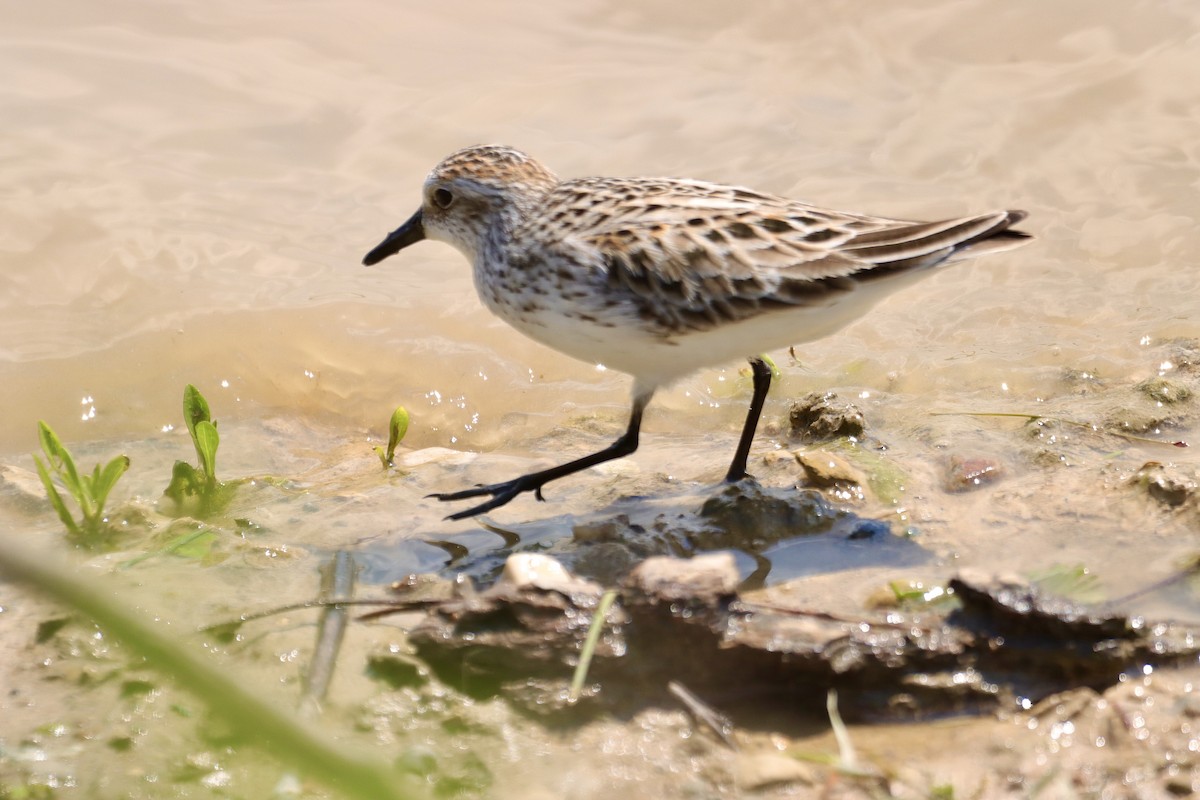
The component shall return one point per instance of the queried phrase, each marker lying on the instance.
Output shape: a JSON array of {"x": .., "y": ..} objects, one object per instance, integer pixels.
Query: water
[{"x": 188, "y": 194}]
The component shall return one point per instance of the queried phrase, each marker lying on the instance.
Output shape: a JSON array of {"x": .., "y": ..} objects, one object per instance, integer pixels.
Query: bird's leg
[
  {"x": 762, "y": 382},
  {"x": 502, "y": 493}
]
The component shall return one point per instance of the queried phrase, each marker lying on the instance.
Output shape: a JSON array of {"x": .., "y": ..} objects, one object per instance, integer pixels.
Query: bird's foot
[
  {"x": 736, "y": 476},
  {"x": 501, "y": 493},
  {"x": 745, "y": 481}
]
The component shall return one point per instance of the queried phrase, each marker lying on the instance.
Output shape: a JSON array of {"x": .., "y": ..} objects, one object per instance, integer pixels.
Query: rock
[
  {"x": 709, "y": 576},
  {"x": 749, "y": 516},
  {"x": 524, "y": 571},
  {"x": 435, "y": 455},
  {"x": 967, "y": 473},
  {"x": 24, "y": 488},
  {"x": 823, "y": 469},
  {"x": 763, "y": 770}
]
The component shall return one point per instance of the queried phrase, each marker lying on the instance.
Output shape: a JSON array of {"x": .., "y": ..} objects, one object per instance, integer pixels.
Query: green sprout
[
  {"x": 776, "y": 373},
  {"x": 195, "y": 489},
  {"x": 89, "y": 491},
  {"x": 396, "y": 430}
]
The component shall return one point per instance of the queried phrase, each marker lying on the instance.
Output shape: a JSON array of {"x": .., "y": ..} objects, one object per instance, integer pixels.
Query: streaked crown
[{"x": 493, "y": 166}]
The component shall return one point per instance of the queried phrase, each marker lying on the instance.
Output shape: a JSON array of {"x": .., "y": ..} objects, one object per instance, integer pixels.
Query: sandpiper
[{"x": 659, "y": 277}]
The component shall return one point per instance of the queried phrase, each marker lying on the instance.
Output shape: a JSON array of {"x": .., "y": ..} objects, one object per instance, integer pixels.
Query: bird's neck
[{"x": 497, "y": 241}]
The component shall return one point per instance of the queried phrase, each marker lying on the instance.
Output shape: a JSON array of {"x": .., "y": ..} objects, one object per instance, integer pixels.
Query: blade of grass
[
  {"x": 282, "y": 734},
  {"x": 849, "y": 759},
  {"x": 589, "y": 644}
]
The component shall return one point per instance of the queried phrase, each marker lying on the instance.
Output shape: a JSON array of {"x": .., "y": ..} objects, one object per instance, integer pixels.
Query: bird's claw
[{"x": 501, "y": 493}]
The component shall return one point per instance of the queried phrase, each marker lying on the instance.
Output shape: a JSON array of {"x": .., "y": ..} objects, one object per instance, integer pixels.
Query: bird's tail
[{"x": 919, "y": 245}]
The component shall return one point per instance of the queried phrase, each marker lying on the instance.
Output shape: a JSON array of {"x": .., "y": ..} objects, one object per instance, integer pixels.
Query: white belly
[{"x": 623, "y": 343}]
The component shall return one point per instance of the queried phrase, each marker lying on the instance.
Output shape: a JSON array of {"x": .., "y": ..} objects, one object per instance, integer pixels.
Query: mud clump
[
  {"x": 1161, "y": 390},
  {"x": 821, "y": 416},
  {"x": 684, "y": 621},
  {"x": 1164, "y": 484}
]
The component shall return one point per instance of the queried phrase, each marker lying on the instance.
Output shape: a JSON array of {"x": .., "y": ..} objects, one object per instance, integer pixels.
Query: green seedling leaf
[
  {"x": 60, "y": 460},
  {"x": 195, "y": 489},
  {"x": 56, "y": 499},
  {"x": 207, "y": 440},
  {"x": 193, "y": 544},
  {"x": 194, "y": 494},
  {"x": 195, "y": 409},
  {"x": 914, "y": 593},
  {"x": 89, "y": 490},
  {"x": 105, "y": 479},
  {"x": 908, "y": 591},
  {"x": 396, "y": 430},
  {"x": 201, "y": 427},
  {"x": 185, "y": 482},
  {"x": 196, "y": 544}
]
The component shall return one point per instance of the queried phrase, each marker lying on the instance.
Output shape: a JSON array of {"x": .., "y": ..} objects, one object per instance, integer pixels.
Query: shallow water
[{"x": 190, "y": 194}]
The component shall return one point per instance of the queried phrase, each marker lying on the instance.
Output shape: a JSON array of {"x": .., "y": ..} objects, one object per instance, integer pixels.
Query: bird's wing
[{"x": 694, "y": 255}]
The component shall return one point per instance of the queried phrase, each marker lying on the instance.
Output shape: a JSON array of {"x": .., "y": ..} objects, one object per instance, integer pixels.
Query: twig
[
  {"x": 337, "y": 582},
  {"x": 703, "y": 712},
  {"x": 1189, "y": 570},
  {"x": 391, "y": 606},
  {"x": 1088, "y": 425}
]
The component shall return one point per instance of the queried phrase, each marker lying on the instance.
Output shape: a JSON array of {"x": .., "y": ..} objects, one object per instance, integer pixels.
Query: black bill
[{"x": 410, "y": 232}]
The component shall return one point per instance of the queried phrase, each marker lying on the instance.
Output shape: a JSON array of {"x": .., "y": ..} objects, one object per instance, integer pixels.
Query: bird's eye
[{"x": 443, "y": 197}]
